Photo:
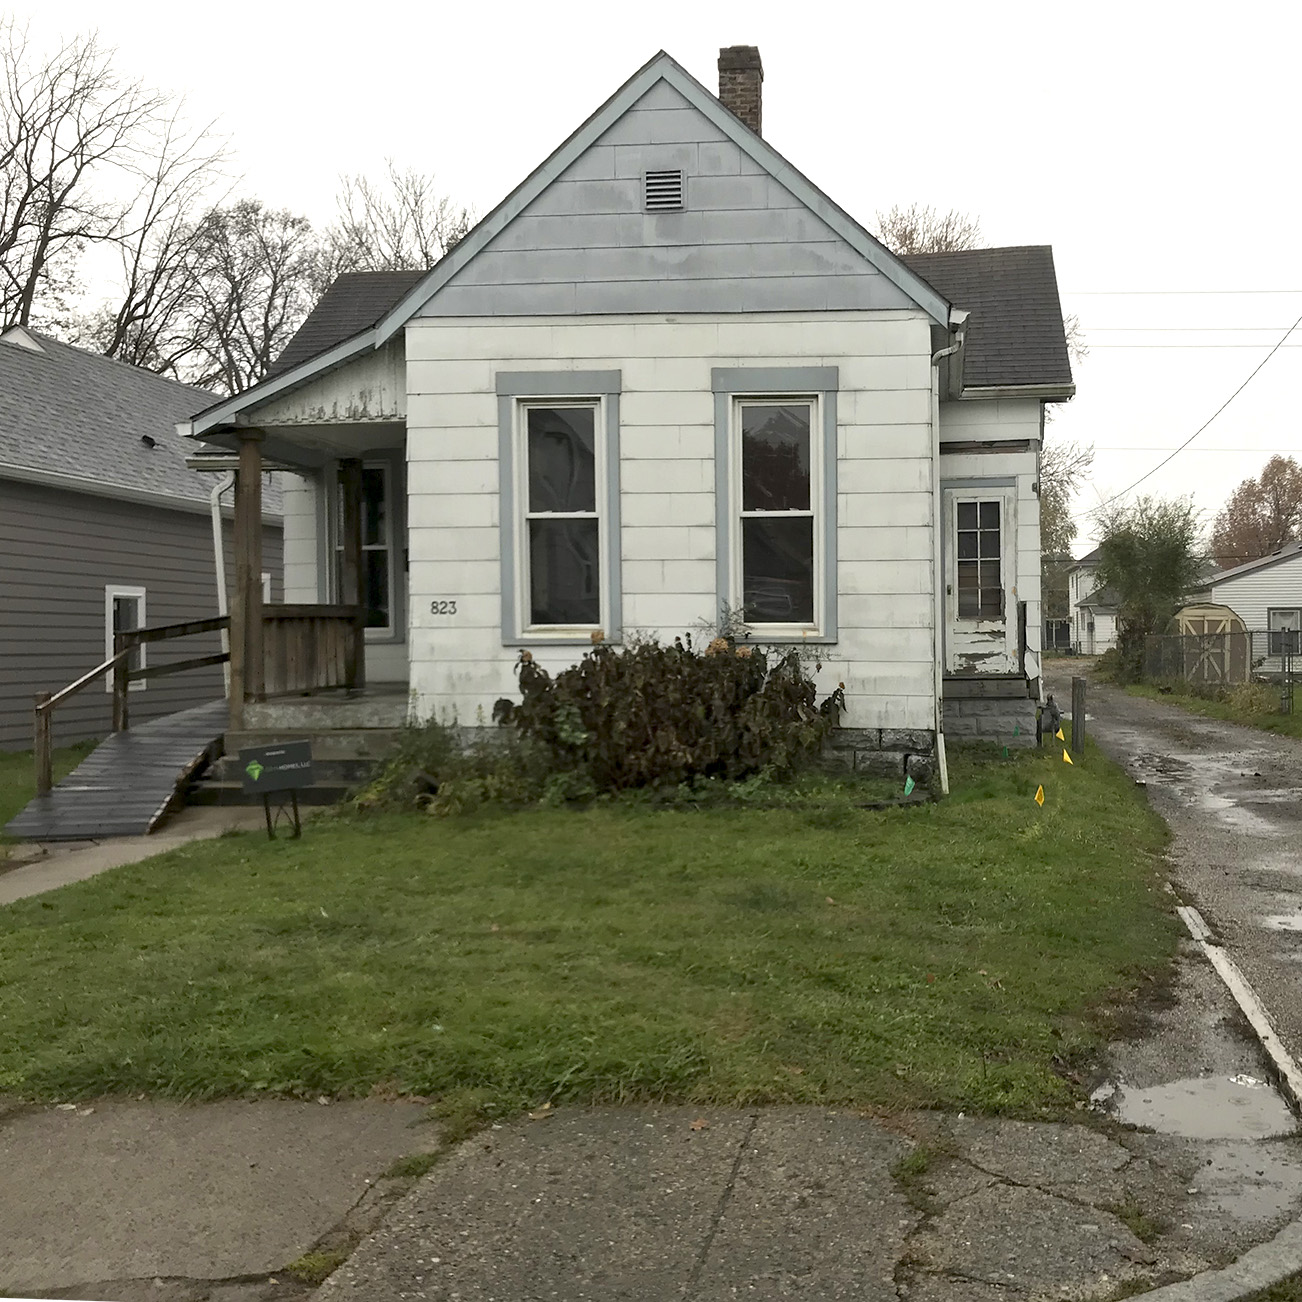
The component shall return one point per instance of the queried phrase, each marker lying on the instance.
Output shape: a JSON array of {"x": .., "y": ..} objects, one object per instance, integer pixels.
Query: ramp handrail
[{"x": 123, "y": 676}]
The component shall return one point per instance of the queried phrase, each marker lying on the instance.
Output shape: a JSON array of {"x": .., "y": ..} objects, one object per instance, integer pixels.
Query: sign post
[{"x": 281, "y": 770}]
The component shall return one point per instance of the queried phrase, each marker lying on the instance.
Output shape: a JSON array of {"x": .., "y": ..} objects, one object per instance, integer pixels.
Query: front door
[{"x": 980, "y": 582}]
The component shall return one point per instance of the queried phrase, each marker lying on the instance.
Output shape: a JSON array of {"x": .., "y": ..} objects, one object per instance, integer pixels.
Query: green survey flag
[{"x": 908, "y": 786}]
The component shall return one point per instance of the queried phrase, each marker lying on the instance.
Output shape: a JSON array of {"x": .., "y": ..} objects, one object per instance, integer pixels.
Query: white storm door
[{"x": 980, "y": 582}]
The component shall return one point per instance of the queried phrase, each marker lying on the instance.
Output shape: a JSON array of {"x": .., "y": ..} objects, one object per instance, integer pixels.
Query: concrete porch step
[
  {"x": 384, "y": 707},
  {"x": 1003, "y": 687}
]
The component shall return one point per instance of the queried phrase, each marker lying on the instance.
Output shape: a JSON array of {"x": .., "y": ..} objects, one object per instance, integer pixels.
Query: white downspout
[
  {"x": 224, "y": 485},
  {"x": 958, "y": 322}
]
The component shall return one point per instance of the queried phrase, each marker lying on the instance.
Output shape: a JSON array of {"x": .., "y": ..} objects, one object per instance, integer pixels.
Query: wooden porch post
[
  {"x": 350, "y": 576},
  {"x": 247, "y": 667}
]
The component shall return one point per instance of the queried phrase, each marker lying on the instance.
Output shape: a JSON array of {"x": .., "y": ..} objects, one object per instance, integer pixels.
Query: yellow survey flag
[
  {"x": 1039, "y": 796},
  {"x": 1059, "y": 735},
  {"x": 1066, "y": 759}
]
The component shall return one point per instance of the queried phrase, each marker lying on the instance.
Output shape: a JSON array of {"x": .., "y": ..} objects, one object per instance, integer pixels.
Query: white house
[
  {"x": 1092, "y": 610},
  {"x": 1266, "y": 594},
  {"x": 666, "y": 377}
]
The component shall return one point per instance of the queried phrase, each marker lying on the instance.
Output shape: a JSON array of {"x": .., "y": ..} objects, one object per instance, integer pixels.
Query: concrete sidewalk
[
  {"x": 45, "y": 866},
  {"x": 671, "y": 1203}
]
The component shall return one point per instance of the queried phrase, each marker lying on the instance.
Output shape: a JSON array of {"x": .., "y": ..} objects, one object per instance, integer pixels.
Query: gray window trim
[
  {"x": 729, "y": 382},
  {"x": 512, "y": 386}
]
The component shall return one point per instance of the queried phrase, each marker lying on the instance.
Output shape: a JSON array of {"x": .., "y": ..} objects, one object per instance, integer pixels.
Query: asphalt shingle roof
[
  {"x": 70, "y": 412},
  {"x": 1015, "y": 334},
  {"x": 1014, "y": 337},
  {"x": 356, "y": 300}
]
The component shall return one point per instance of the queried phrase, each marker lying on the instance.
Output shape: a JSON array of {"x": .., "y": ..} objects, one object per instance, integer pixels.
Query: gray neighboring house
[{"x": 101, "y": 522}]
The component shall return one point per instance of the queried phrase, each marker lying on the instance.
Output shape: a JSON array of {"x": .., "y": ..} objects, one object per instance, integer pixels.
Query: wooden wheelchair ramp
[{"x": 126, "y": 785}]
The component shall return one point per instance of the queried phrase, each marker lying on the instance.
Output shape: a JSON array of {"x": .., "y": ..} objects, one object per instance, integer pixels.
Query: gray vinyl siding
[
  {"x": 58, "y": 551},
  {"x": 744, "y": 243}
]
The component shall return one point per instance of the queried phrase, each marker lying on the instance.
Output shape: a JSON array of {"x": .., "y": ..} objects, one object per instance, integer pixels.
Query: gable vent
[{"x": 662, "y": 191}]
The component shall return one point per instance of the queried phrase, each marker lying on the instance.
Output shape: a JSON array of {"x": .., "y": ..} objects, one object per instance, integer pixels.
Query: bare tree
[
  {"x": 254, "y": 271},
  {"x": 65, "y": 122},
  {"x": 401, "y": 223},
  {"x": 919, "y": 228},
  {"x": 1062, "y": 467},
  {"x": 145, "y": 323}
]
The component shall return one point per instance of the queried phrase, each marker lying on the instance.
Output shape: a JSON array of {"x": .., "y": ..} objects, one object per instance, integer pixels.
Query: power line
[
  {"x": 1210, "y": 418},
  {"x": 1171, "y": 330},
  {"x": 1092, "y": 346}
]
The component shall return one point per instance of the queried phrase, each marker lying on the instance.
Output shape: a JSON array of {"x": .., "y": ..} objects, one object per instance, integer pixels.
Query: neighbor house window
[
  {"x": 377, "y": 544},
  {"x": 979, "y": 536},
  {"x": 775, "y": 459},
  {"x": 560, "y": 504},
  {"x": 124, "y": 611},
  {"x": 1284, "y": 626}
]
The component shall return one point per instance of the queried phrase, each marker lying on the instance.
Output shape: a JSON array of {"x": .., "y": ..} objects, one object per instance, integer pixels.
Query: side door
[{"x": 980, "y": 581}]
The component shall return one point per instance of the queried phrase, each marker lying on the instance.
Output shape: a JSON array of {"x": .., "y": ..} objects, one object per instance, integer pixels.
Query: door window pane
[
  {"x": 778, "y": 569},
  {"x": 562, "y": 458},
  {"x": 375, "y": 587},
  {"x": 374, "y": 507},
  {"x": 377, "y": 565},
  {"x": 564, "y": 569},
  {"x": 775, "y": 456},
  {"x": 979, "y": 560}
]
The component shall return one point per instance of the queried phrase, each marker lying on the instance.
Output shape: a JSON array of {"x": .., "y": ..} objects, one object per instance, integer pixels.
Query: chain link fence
[{"x": 1216, "y": 662}]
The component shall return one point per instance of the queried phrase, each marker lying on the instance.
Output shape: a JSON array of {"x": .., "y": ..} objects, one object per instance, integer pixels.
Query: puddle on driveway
[{"x": 1201, "y": 1107}]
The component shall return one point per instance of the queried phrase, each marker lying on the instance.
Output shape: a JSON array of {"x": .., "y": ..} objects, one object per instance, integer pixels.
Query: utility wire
[
  {"x": 1163, "y": 293},
  {"x": 1208, "y": 421}
]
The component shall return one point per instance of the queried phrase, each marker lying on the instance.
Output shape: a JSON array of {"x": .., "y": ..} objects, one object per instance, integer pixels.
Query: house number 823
[{"x": 442, "y": 607}]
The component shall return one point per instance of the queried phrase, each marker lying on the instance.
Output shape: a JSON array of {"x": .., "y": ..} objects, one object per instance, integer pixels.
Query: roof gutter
[
  {"x": 115, "y": 492},
  {"x": 1045, "y": 392},
  {"x": 958, "y": 328}
]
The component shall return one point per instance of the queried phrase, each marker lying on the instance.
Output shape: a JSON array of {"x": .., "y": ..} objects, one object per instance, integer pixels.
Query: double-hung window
[
  {"x": 559, "y": 449},
  {"x": 562, "y": 542},
  {"x": 775, "y": 458},
  {"x": 1284, "y": 626}
]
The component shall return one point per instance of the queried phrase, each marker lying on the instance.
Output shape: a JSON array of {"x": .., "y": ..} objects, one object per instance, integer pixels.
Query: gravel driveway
[{"x": 1233, "y": 799}]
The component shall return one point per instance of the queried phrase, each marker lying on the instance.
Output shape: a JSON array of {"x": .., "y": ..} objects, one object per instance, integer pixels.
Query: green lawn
[
  {"x": 1287, "y": 725},
  {"x": 966, "y": 954},
  {"x": 18, "y": 780}
]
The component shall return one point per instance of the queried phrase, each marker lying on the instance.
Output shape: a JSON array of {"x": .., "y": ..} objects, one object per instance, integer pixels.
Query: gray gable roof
[
  {"x": 1015, "y": 335},
  {"x": 73, "y": 415},
  {"x": 1287, "y": 552}
]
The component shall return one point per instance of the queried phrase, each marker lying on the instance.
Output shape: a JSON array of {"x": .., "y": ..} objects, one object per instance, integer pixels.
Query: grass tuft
[{"x": 314, "y": 1268}]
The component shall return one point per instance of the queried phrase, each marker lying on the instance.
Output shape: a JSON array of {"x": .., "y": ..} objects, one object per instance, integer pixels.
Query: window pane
[
  {"x": 375, "y": 588},
  {"x": 990, "y": 515},
  {"x": 373, "y": 507},
  {"x": 562, "y": 458},
  {"x": 967, "y": 515},
  {"x": 990, "y": 543},
  {"x": 967, "y": 543},
  {"x": 564, "y": 572},
  {"x": 990, "y": 574},
  {"x": 775, "y": 456},
  {"x": 992, "y": 603},
  {"x": 969, "y": 590},
  {"x": 778, "y": 570}
]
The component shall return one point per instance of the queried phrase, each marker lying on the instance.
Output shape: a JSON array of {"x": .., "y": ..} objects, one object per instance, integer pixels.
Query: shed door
[{"x": 980, "y": 582}]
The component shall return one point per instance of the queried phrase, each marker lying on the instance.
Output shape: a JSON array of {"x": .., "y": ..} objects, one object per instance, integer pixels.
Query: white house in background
[
  {"x": 1266, "y": 595},
  {"x": 1093, "y": 611},
  {"x": 664, "y": 378}
]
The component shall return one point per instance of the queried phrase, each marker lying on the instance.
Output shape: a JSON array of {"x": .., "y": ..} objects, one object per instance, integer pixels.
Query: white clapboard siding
[{"x": 667, "y": 503}]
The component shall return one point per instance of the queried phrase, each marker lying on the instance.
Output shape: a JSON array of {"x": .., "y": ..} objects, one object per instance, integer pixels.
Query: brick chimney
[{"x": 741, "y": 83}]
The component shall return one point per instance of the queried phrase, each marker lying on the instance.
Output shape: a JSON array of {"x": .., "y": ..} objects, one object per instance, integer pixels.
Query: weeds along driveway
[{"x": 1232, "y": 796}]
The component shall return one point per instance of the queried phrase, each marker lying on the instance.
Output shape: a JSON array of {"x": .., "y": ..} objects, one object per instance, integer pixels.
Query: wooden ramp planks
[{"x": 127, "y": 783}]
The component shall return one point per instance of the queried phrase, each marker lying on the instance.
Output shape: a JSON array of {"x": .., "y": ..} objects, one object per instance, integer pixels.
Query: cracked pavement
[{"x": 714, "y": 1204}]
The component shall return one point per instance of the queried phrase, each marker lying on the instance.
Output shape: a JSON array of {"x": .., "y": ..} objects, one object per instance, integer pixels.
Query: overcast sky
[{"x": 1155, "y": 146}]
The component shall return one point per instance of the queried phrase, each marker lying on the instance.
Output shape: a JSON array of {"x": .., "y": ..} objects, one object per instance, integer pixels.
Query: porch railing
[
  {"x": 119, "y": 665},
  {"x": 311, "y": 648}
]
